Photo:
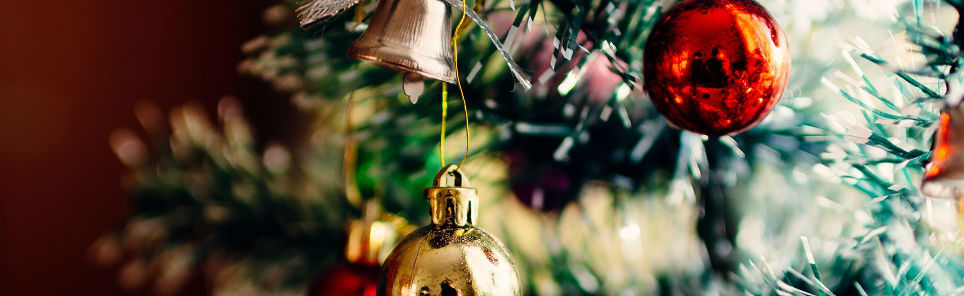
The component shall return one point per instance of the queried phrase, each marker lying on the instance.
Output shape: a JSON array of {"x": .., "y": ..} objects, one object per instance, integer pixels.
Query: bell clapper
[{"x": 413, "y": 85}]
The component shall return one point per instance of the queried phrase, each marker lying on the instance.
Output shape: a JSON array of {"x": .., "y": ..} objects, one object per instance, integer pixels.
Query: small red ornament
[
  {"x": 538, "y": 182},
  {"x": 370, "y": 238},
  {"x": 546, "y": 189},
  {"x": 351, "y": 279},
  {"x": 716, "y": 67}
]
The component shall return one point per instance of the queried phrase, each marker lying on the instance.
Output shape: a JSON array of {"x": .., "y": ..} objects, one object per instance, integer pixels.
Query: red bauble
[
  {"x": 716, "y": 67},
  {"x": 539, "y": 183},
  {"x": 350, "y": 279},
  {"x": 549, "y": 191}
]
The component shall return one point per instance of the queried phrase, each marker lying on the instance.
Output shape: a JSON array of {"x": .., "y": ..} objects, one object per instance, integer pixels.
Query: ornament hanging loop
[
  {"x": 452, "y": 206},
  {"x": 458, "y": 179}
]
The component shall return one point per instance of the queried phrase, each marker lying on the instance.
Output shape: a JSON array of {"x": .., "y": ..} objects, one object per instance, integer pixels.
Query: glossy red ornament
[{"x": 716, "y": 67}]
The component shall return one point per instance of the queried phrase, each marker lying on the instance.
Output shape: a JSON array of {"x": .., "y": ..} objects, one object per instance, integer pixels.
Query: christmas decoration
[
  {"x": 545, "y": 189},
  {"x": 317, "y": 12},
  {"x": 450, "y": 256},
  {"x": 347, "y": 280},
  {"x": 372, "y": 237},
  {"x": 716, "y": 67},
  {"x": 369, "y": 241},
  {"x": 944, "y": 177},
  {"x": 599, "y": 79},
  {"x": 410, "y": 36},
  {"x": 540, "y": 183}
]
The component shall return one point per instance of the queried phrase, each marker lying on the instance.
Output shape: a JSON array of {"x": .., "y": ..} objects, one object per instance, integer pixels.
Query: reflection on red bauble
[
  {"x": 347, "y": 280},
  {"x": 716, "y": 67}
]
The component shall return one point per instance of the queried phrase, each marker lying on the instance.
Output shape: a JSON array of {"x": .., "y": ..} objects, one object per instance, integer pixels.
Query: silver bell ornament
[{"x": 450, "y": 256}]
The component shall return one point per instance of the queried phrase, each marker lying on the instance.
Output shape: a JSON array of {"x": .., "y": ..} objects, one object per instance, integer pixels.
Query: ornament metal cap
[
  {"x": 409, "y": 36},
  {"x": 456, "y": 205},
  {"x": 944, "y": 177}
]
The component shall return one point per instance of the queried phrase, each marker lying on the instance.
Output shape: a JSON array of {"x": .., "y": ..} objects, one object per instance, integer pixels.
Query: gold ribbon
[{"x": 458, "y": 80}]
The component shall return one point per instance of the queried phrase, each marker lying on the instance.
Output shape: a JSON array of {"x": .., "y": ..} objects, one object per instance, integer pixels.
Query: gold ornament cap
[
  {"x": 456, "y": 205},
  {"x": 450, "y": 256}
]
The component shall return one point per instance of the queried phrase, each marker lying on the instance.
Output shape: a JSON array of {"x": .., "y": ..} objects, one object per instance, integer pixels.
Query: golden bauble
[
  {"x": 462, "y": 261},
  {"x": 450, "y": 256}
]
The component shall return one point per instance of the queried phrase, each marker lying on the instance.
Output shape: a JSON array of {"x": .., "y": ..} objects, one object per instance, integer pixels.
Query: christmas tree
[{"x": 600, "y": 171}]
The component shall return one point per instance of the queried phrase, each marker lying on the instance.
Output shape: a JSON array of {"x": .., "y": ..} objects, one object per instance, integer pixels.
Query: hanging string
[
  {"x": 351, "y": 154},
  {"x": 465, "y": 108},
  {"x": 445, "y": 108}
]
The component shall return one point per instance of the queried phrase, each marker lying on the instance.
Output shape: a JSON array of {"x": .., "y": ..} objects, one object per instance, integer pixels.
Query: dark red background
[{"x": 70, "y": 73}]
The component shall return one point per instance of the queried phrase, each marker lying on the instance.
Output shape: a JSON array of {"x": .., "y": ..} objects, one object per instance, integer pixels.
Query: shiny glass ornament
[
  {"x": 716, "y": 67},
  {"x": 944, "y": 177},
  {"x": 450, "y": 256}
]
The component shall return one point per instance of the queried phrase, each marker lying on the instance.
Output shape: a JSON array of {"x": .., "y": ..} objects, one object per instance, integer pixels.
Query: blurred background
[{"x": 73, "y": 72}]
